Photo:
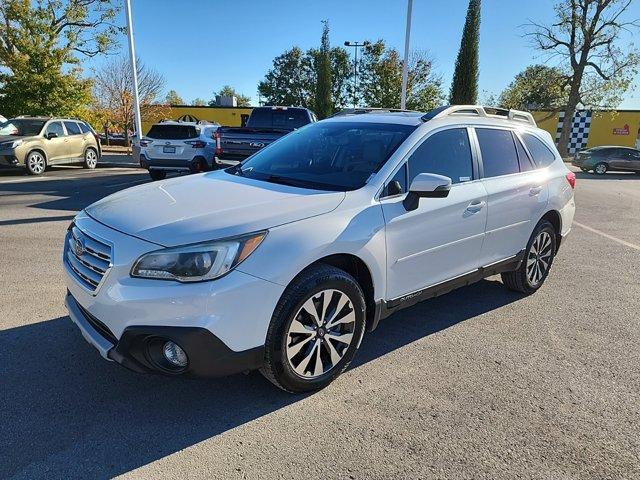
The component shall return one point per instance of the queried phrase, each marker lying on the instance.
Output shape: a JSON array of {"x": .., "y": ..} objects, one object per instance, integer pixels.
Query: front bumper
[
  {"x": 227, "y": 318},
  {"x": 208, "y": 355}
]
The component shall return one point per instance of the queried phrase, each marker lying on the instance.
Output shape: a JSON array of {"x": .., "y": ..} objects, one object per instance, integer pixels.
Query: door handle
[
  {"x": 535, "y": 191},
  {"x": 476, "y": 206}
]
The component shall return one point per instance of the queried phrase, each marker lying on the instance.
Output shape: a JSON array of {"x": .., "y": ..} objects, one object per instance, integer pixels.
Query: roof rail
[
  {"x": 479, "y": 111},
  {"x": 363, "y": 110}
]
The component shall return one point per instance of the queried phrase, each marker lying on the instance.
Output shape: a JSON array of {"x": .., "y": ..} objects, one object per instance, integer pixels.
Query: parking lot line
[{"x": 606, "y": 235}]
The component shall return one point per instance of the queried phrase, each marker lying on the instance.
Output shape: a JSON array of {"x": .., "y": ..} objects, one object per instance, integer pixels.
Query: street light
[
  {"x": 132, "y": 58},
  {"x": 405, "y": 65},
  {"x": 355, "y": 66}
]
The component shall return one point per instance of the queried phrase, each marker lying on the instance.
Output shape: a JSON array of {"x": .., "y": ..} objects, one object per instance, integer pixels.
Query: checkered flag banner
[{"x": 579, "y": 130}]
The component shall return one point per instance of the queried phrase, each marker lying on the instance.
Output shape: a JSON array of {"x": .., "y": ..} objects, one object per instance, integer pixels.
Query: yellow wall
[
  {"x": 226, "y": 116},
  {"x": 603, "y": 126}
]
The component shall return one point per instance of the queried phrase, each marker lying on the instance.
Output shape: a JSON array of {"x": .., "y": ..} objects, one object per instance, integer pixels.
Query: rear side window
[
  {"x": 525, "y": 162},
  {"x": 72, "y": 128},
  {"x": 84, "y": 128},
  {"x": 172, "y": 132},
  {"x": 541, "y": 154},
  {"x": 445, "y": 153},
  {"x": 499, "y": 156}
]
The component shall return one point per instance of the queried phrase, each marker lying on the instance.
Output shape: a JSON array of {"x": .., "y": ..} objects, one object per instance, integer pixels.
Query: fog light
[{"x": 175, "y": 355}]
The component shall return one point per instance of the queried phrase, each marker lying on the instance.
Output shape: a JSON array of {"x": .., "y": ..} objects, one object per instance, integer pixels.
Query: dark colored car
[
  {"x": 264, "y": 126},
  {"x": 603, "y": 159}
]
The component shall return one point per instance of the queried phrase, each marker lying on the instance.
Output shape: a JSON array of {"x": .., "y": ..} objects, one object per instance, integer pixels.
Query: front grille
[{"x": 87, "y": 257}]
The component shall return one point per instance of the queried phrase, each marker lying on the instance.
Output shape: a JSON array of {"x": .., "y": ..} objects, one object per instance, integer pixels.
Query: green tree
[
  {"x": 199, "y": 102},
  {"x": 323, "y": 103},
  {"x": 538, "y": 87},
  {"x": 288, "y": 81},
  {"x": 584, "y": 40},
  {"x": 464, "y": 88},
  {"x": 380, "y": 73},
  {"x": 40, "y": 45},
  {"x": 229, "y": 91},
  {"x": 173, "y": 98}
]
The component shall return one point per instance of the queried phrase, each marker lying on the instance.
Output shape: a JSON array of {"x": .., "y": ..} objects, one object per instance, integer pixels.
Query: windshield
[
  {"x": 21, "y": 127},
  {"x": 336, "y": 156}
]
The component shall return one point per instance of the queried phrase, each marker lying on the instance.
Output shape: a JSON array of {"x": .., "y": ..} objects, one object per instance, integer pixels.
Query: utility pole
[
  {"x": 355, "y": 67},
  {"x": 405, "y": 65},
  {"x": 134, "y": 69}
]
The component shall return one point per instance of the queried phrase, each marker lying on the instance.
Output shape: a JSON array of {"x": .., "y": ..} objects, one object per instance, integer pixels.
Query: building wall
[
  {"x": 226, "y": 116},
  {"x": 606, "y": 128}
]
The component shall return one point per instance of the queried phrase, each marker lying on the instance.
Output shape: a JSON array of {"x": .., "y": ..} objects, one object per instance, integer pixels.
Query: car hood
[{"x": 207, "y": 206}]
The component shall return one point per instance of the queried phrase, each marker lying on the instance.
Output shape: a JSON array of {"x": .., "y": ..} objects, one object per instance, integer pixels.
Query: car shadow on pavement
[{"x": 68, "y": 413}]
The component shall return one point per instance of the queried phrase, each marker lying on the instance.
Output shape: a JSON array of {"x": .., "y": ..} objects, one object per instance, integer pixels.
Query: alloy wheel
[
  {"x": 91, "y": 159},
  {"x": 320, "y": 333},
  {"x": 36, "y": 163},
  {"x": 600, "y": 169},
  {"x": 539, "y": 258}
]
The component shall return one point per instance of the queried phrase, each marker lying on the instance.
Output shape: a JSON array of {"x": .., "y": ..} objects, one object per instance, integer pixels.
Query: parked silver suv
[{"x": 178, "y": 147}]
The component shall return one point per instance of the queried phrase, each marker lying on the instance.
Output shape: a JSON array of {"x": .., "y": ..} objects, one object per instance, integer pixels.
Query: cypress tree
[
  {"x": 323, "y": 103},
  {"x": 464, "y": 88}
]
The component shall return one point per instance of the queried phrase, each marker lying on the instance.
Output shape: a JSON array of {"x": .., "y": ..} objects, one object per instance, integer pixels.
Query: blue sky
[{"x": 201, "y": 45}]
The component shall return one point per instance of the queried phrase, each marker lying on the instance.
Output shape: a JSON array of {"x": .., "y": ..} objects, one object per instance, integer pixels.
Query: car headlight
[
  {"x": 12, "y": 144},
  {"x": 198, "y": 262}
]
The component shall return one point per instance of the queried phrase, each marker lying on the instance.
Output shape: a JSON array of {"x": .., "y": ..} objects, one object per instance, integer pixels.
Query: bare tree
[
  {"x": 113, "y": 92},
  {"x": 585, "y": 39}
]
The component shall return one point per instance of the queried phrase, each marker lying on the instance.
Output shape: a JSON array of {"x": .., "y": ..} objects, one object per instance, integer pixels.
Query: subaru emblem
[{"x": 78, "y": 247}]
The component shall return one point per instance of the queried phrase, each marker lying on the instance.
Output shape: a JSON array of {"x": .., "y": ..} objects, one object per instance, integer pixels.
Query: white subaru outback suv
[{"x": 282, "y": 262}]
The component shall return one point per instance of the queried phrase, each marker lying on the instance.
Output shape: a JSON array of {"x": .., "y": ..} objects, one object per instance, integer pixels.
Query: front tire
[
  {"x": 600, "y": 169},
  {"x": 537, "y": 261},
  {"x": 36, "y": 163},
  {"x": 315, "y": 330},
  {"x": 90, "y": 159}
]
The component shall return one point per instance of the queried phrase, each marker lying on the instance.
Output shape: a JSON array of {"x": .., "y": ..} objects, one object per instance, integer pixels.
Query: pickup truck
[{"x": 265, "y": 125}]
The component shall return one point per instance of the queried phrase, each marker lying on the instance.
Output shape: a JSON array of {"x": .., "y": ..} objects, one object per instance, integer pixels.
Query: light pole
[
  {"x": 355, "y": 67},
  {"x": 132, "y": 58},
  {"x": 405, "y": 65}
]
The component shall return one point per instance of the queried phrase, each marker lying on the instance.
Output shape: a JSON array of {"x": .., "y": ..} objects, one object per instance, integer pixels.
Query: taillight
[
  {"x": 216, "y": 136},
  {"x": 571, "y": 178},
  {"x": 145, "y": 143}
]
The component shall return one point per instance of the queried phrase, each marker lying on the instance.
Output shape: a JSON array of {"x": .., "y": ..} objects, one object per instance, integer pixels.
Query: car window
[
  {"x": 72, "y": 128},
  {"x": 337, "y": 156},
  {"x": 84, "y": 128},
  {"x": 444, "y": 153},
  {"x": 525, "y": 162},
  {"x": 542, "y": 155},
  {"x": 172, "y": 132},
  {"x": 498, "y": 151},
  {"x": 21, "y": 127},
  {"x": 287, "y": 119},
  {"x": 55, "y": 127},
  {"x": 400, "y": 177}
]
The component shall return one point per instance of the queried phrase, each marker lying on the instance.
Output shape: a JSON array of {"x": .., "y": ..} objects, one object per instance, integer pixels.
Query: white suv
[
  {"x": 178, "y": 147},
  {"x": 282, "y": 262}
]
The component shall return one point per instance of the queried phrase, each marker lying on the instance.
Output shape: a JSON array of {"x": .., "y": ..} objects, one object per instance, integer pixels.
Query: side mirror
[
  {"x": 426, "y": 185},
  {"x": 51, "y": 135}
]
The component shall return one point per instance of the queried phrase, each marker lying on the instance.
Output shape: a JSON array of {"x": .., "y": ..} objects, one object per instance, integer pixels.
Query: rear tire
[
  {"x": 315, "y": 330},
  {"x": 36, "y": 163},
  {"x": 90, "y": 159},
  {"x": 157, "y": 174},
  {"x": 600, "y": 168},
  {"x": 537, "y": 261}
]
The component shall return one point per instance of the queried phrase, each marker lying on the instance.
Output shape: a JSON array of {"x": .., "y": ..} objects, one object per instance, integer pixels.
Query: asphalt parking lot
[{"x": 480, "y": 383}]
